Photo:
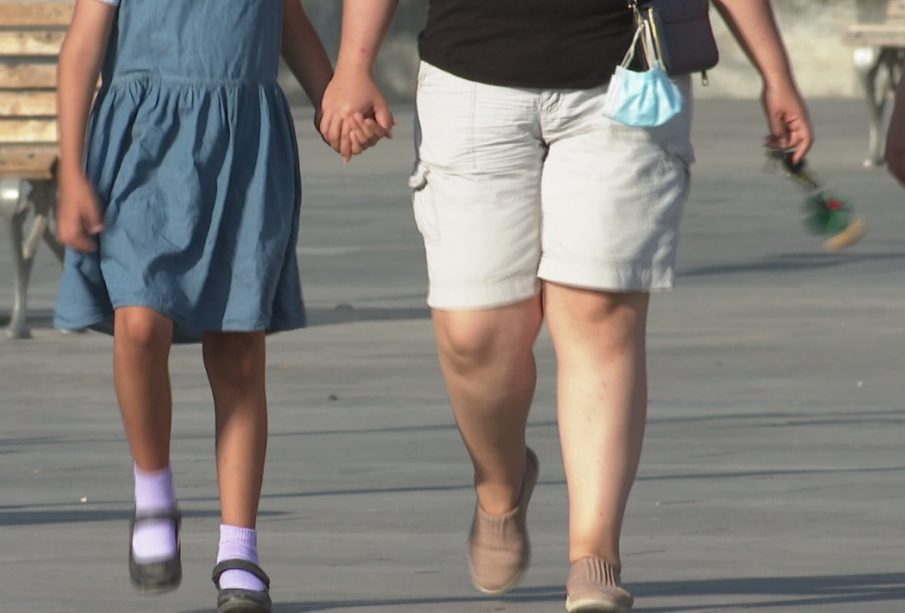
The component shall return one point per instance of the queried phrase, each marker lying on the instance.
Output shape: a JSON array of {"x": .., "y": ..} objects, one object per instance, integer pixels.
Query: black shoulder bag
[{"x": 681, "y": 33}]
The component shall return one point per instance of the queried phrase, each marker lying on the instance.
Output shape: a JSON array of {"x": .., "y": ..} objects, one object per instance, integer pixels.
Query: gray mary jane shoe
[
  {"x": 232, "y": 600},
  {"x": 162, "y": 576}
]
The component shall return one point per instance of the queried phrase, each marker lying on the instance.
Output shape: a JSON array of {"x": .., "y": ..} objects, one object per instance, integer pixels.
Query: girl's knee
[
  {"x": 143, "y": 329},
  {"x": 235, "y": 357}
]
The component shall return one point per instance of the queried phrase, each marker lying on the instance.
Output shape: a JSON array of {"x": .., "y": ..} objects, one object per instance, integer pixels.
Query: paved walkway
[{"x": 774, "y": 472}]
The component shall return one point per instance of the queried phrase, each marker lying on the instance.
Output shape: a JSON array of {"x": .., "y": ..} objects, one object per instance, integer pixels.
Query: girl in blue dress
[{"x": 180, "y": 205}]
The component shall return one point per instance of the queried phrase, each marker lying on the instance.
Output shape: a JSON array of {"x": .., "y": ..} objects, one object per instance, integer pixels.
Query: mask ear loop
[
  {"x": 630, "y": 54},
  {"x": 647, "y": 45}
]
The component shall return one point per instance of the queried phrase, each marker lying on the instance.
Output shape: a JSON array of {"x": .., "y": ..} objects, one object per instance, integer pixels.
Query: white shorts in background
[{"x": 513, "y": 186}]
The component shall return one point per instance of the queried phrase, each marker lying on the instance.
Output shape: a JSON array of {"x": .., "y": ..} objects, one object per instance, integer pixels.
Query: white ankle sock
[
  {"x": 154, "y": 541},
  {"x": 242, "y": 544}
]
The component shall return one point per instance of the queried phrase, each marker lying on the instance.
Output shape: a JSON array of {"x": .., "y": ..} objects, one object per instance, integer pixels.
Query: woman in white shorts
[{"x": 534, "y": 207}]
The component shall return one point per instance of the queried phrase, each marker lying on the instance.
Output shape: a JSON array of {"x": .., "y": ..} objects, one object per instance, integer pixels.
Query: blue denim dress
[{"x": 192, "y": 149}]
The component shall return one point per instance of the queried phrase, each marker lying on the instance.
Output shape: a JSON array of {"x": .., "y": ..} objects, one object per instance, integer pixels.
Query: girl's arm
[
  {"x": 304, "y": 53},
  {"x": 755, "y": 28},
  {"x": 78, "y": 215}
]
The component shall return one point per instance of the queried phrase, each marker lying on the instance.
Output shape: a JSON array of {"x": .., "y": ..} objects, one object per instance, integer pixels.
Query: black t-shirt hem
[{"x": 471, "y": 73}]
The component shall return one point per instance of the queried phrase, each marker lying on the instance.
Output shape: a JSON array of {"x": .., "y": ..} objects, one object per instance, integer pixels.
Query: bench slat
[
  {"x": 29, "y": 163},
  {"x": 877, "y": 35},
  {"x": 28, "y": 104},
  {"x": 57, "y": 14},
  {"x": 32, "y": 43},
  {"x": 28, "y": 76},
  {"x": 28, "y": 131},
  {"x": 879, "y": 28}
]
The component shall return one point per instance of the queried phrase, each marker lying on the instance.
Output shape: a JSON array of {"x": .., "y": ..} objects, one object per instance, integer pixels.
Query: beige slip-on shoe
[
  {"x": 498, "y": 547},
  {"x": 594, "y": 586}
]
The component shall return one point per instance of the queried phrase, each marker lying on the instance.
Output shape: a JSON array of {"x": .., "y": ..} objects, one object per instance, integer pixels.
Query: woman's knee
[
  {"x": 472, "y": 339},
  {"x": 602, "y": 317},
  {"x": 464, "y": 343}
]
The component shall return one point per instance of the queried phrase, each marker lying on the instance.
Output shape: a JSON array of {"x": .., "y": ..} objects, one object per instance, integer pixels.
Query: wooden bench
[
  {"x": 30, "y": 39},
  {"x": 879, "y": 60}
]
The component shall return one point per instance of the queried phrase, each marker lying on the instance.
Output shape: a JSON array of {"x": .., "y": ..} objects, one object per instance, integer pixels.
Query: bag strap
[{"x": 647, "y": 45}]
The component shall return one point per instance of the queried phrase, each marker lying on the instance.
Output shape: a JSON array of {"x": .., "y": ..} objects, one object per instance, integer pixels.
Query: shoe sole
[
  {"x": 156, "y": 589},
  {"x": 591, "y": 605},
  {"x": 506, "y": 588},
  {"x": 161, "y": 587},
  {"x": 240, "y": 607}
]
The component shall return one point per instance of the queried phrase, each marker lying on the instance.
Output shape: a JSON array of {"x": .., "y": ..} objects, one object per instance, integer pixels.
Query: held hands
[
  {"x": 79, "y": 219},
  {"x": 354, "y": 114},
  {"x": 787, "y": 119}
]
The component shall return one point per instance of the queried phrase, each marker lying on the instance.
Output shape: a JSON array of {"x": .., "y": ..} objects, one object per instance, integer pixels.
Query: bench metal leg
[
  {"x": 878, "y": 70},
  {"x": 17, "y": 200},
  {"x": 43, "y": 201},
  {"x": 13, "y": 205}
]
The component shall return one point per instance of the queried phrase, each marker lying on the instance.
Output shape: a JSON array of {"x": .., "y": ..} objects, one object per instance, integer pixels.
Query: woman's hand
[
  {"x": 355, "y": 113},
  {"x": 79, "y": 219},
  {"x": 787, "y": 120},
  {"x": 754, "y": 26}
]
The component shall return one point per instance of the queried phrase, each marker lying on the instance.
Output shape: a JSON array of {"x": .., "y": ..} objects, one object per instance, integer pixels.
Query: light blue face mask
[{"x": 642, "y": 99}]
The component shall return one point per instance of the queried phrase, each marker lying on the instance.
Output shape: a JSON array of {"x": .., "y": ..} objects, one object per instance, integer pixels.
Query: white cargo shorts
[{"x": 516, "y": 186}]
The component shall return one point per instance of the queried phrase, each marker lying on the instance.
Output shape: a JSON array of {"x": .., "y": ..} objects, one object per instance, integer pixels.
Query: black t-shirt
[{"x": 528, "y": 43}]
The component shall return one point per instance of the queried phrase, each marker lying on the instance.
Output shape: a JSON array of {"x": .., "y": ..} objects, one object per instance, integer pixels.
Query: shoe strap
[
  {"x": 239, "y": 564},
  {"x": 172, "y": 514}
]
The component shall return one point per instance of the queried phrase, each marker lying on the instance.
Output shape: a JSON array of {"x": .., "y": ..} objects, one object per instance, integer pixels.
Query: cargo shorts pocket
[{"x": 423, "y": 204}]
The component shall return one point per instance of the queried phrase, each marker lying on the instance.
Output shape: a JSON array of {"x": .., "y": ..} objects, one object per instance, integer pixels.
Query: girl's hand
[
  {"x": 353, "y": 93},
  {"x": 363, "y": 133},
  {"x": 78, "y": 67},
  {"x": 79, "y": 219},
  {"x": 787, "y": 119}
]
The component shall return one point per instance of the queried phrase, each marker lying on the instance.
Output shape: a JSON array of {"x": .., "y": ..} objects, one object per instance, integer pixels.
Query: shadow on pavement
[
  {"x": 809, "y": 591},
  {"x": 798, "y": 592},
  {"x": 26, "y": 517},
  {"x": 791, "y": 262},
  {"x": 524, "y": 595},
  {"x": 771, "y": 473},
  {"x": 346, "y": 313},
  {"x": 42, "y": 319},
  {"x": 464, "y": 487}
]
